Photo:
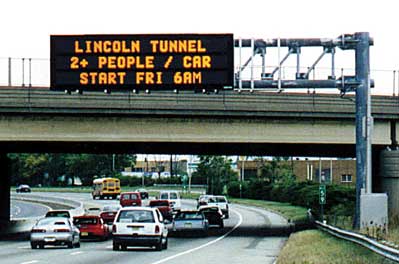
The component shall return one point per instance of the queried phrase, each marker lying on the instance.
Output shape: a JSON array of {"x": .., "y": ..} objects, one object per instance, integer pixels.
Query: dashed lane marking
[
  {"x": 76, "y": 253},
  {"x": 204, "y": 245},
  {"x": 30, "y": 262}
]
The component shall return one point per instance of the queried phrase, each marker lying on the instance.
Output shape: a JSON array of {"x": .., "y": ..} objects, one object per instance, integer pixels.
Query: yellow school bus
[{"x": 106, "y": 187}]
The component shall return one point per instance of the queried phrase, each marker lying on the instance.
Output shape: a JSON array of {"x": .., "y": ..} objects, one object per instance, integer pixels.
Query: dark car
[
  {"x": 143, "y": 193},
  {"x": 108, "y": 213},
  {"x": 164, "y": 206},
  {"x": 213, "y": 214},
  {"x": 23, "y": 188}
]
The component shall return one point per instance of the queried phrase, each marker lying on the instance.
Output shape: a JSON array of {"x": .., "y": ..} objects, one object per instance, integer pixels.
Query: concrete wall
[
  {"x": 194, "y": 129},
  {"x": 4, "y": 189}
]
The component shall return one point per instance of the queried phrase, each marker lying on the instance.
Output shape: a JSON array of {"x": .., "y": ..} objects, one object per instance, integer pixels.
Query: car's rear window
[
  {"x": 57, "y": 214},
  {"x": 45, "y": 222},
  {"x": 111, "y": 208},
  {"x": 85, "y": 221},
  {"x": 136, "y": 216},
  {"x": 189, "y": 215},
  {"x": 173, "y": 196},
  {"x": 131, "y": 196},
  {"x": 220, "y": 199},
  {"x": 159, "y": 203},
  {"x": 164, "y": 196}
]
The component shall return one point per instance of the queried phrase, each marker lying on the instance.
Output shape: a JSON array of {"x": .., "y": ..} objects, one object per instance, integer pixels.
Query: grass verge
[
  {"x": 292, "y": 213},
  {"x": 315, "y": 246}
]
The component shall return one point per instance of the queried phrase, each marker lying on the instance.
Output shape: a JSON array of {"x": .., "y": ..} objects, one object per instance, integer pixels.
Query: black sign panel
[{"x": 126, "y": 62}]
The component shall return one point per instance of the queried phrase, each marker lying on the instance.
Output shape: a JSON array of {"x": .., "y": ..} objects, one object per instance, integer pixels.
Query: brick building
[{"x": 341, "y": 171}]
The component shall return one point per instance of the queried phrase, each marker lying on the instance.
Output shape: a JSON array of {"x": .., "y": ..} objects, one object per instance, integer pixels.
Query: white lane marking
[
  {"x": 30, "y": 262},
  {"x": 109, "y": 247},
  {"x": 25, "y": 247},
  {"x": 205, "y": 245},
  {"x": 76, "y": 253}
]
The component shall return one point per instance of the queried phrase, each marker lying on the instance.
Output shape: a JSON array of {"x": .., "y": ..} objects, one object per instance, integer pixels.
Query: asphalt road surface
[
  {"x": 249, "y": 237},
  {"x": 20, "y": 209}
]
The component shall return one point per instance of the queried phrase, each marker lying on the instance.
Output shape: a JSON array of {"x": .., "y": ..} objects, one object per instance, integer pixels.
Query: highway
[
  {"x": 20, "y": 209},
  {"x": 242, "y": 240}
]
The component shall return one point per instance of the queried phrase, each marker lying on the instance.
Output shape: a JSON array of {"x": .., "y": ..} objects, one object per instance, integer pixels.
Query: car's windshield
[
  {"x": 136, "y": 216},
  {"x": 173, "y": 195},
  {"x": 164, "y": 196}
]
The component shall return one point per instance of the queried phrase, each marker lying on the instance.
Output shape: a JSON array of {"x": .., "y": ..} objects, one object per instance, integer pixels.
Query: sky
[{"x": 27, "y": 25}]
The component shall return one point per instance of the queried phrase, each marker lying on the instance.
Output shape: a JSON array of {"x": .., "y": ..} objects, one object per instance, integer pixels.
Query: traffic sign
[
  {"x": 127, "y": 62},
  {"x": 322, "y": 194}
]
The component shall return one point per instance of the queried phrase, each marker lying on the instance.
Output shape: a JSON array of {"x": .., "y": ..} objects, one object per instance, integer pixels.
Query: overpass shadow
[{"x": 248, "y": 231}]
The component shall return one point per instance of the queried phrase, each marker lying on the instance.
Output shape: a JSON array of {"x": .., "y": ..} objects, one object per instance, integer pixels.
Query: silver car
[
  {"x": 190, "y": 221},
  {"x": 54, "y": 231}
]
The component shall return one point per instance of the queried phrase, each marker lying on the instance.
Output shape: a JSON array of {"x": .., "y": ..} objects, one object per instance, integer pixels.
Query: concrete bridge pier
[
  {"x": 5, "y": 184},
  {"x": 389, "y": 175}
]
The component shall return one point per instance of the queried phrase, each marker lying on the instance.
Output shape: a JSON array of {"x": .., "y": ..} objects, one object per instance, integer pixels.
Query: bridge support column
[
  {"x": 389, "y": 172},
  {"x": 5, "y": 184}
]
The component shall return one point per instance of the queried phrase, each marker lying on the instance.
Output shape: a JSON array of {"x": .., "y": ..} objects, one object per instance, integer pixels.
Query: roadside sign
[
  {"x": 127, "y": 62},
  {"x": 322, "y": 194}
]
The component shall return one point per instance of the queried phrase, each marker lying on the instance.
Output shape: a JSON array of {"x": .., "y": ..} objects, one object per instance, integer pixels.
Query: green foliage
[
  {"x": 47, "y": 169},
  {"x": 277, "y": 183},
  {"x": 217, "y": 172}
]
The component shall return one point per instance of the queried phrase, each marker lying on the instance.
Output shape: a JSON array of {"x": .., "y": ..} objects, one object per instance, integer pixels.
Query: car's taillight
[
  {"x": 62, "y": 230},
  {"x": 157, "y": 229},
  {"x": 113, "y": 228},
  {"x": 38, "y": 231}
]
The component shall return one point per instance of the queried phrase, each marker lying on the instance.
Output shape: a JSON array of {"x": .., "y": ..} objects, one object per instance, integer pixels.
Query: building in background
[
  {"x": 157, "y": 168},
  {"x": 333, "y": 171}
]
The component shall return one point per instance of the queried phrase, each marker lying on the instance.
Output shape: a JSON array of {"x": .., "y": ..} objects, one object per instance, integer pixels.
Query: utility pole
[{"x": 364, "y": 121}]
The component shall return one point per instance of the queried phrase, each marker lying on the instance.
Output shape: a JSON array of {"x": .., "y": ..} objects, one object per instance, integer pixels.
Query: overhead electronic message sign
[{"x": 126, "y": 62}]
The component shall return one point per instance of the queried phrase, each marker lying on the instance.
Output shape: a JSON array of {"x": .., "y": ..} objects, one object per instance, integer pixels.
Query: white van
[{"x": 173, "y": 197}]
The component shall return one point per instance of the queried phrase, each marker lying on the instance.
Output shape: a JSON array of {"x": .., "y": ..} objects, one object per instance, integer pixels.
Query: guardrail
[{"x": 371, "y": 244}]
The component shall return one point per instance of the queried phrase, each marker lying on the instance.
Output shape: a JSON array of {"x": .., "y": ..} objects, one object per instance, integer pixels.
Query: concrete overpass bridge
[{"x": 39, "y": 120}]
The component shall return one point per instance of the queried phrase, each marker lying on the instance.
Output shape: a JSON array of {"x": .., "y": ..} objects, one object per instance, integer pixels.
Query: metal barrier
[
  {"x": 35, "y": 72},
  {"x": 371, "y": 244}
]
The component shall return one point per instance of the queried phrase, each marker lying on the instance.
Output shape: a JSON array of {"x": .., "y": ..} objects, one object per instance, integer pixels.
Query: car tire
[
  {"x": 70, "y": 244},
  {"x": 221, "y": 225},
  {"x": 41, "y": 245},
  {"x": 159, "y": 246},
  {"x": 123, "y": 247},
  {"x": 165, "y": 246},
  {"x": 115, "y": 246},
  {"x": 77, "y": 245},
  {"x": 226, "y": 216},
  {"x": 33, "y": 245}
]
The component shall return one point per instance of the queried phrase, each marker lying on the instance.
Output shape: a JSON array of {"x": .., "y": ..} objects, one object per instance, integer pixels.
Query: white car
[
  {"x": 173, "y": 197},
  {"x": 139, "y": 226},
  {"x": 221, "y": 202}
]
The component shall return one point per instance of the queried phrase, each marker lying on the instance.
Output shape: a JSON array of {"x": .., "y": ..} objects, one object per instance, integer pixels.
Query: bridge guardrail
[{"x": 371, "y": 244}]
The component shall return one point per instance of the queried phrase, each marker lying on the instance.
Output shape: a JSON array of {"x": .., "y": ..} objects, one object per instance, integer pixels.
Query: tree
[
  {"x": 217, "y": 171},
  {"x": 45, "y": 169},
  {"x": 276, "y": 171}
]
